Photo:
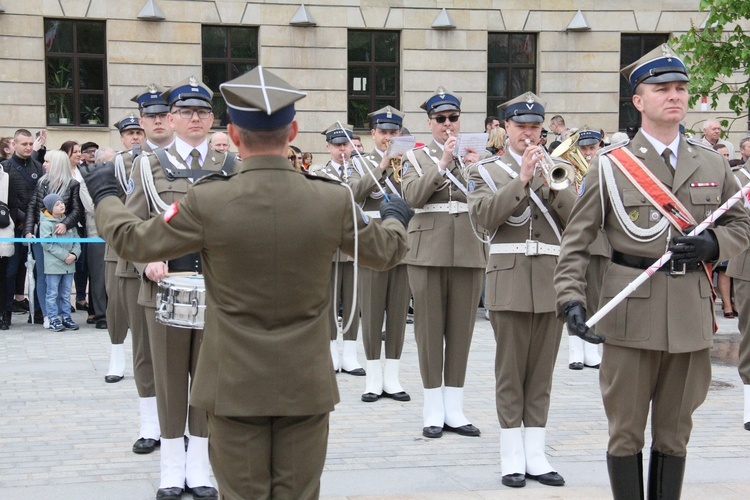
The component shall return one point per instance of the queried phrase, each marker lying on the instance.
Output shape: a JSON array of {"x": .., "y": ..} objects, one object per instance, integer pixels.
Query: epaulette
[
  {"x": 490, "y": 159},
  {"x": 216, "y": 176},
  {"x": 319, "y": 178},
  {"x": 614, "y": 146},
  {"x": 695, "y": 142}
]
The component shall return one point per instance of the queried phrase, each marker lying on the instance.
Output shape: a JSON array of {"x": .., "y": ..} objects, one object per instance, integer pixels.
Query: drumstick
[{"x": 180, "y": 273}]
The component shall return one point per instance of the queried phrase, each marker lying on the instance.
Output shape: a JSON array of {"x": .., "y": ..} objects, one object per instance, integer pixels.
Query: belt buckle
[
  {"x": 532, "y": 247},
  {"x": 453, "y": 207},
  {"x": 676, "y": 272}
]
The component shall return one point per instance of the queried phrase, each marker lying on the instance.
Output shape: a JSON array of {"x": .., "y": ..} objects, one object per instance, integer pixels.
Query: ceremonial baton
[
  {"x": 630, "y": 288},
  {"x": 364, "y": 165}
]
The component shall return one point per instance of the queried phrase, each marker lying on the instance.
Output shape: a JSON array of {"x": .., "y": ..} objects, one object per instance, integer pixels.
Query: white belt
[
  {"x": 452, "y": 207},
  {"x": 530, "y": 247},
  {"x": 373, "y": 214}
]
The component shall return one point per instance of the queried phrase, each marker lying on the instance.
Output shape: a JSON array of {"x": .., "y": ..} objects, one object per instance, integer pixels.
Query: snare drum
[{"x": 181, "y": 301}]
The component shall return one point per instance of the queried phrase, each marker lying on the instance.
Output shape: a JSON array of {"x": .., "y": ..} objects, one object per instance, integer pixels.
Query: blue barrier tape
[{"x": 52, "y": 240}]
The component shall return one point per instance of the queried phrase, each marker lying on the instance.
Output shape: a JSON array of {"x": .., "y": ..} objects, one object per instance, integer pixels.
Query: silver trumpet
[{"x": 558, "y": 175}]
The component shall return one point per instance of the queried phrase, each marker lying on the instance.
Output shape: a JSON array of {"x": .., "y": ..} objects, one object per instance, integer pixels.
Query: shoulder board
[
  {"x": 695, "y": 142},
  {"x": 489, "y": 159},
  {"x": 215, "y": 176},
  {"x": 614, "y": 146},
  {"x": 314, "y": 177}
]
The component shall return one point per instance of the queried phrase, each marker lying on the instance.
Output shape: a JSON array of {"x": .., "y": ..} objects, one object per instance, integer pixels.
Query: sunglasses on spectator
[{"x": 442, "y": 118}]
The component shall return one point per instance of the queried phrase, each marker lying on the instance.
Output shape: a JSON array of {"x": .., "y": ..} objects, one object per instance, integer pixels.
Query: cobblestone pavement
[{"x": 66, "y": 434}]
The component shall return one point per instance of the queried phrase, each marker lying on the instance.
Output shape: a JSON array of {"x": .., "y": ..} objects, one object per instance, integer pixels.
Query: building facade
[{"x": 71, "y": 66}]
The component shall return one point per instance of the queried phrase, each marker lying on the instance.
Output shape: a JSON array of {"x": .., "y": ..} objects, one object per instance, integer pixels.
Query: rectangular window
[
  {"x": 76, "y": 72},
  {"x": 511, "y": 67},
  {"x": 228, "y": 52},
  {"x": 632, "y": 48},
  {"x": 373, "y": 74}
]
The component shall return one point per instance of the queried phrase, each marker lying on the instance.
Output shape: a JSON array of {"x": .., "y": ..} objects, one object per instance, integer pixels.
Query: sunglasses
[{"x": 442, "y": 118}]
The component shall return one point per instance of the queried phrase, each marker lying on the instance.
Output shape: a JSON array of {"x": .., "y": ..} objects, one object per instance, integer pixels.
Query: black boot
[
  {"x": 7, "y": 315},
  {"x": 626, "y": 476},
  {"x": 665, "y": 473}
]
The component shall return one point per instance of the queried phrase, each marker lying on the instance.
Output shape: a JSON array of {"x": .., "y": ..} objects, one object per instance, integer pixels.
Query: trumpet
[
  {"x": 558, "y": 175},
  {"x": 395, "y": 165},
  {"x": 569, "y": 151}
]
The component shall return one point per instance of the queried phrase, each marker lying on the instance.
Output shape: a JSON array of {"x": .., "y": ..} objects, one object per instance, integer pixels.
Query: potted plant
[
  {"x": 92, "y": 113},
  {"x": 60, "y": 78}
]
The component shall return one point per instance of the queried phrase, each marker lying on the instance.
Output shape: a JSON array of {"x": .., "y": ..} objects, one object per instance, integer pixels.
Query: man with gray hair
[{"x": 712, "y": 136}]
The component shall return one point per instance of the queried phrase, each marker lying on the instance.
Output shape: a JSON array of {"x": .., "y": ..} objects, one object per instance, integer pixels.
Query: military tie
[
  {"x": 195, "y": 163},
  {"x": 667, "y": 155}
]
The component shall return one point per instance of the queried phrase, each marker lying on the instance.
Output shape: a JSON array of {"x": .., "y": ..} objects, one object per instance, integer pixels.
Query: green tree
[{"x": 718, "y": 54}]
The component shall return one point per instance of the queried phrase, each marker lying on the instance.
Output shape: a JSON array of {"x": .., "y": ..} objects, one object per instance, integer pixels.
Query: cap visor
[
  {"x": 387, "y": 126},
  {"x": 200, "y": 103},
  {"x": 528, "y": 118},
  {"x": 339, "y": 140},
  {"x": 444, "y": 107},
  {"x": 667, "y": 77},
  {"x": 588, "y": 142},
  {"x": 154, "y": 109}
]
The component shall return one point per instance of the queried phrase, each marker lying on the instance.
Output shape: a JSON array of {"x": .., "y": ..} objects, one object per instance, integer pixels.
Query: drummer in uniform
[
  {"x": 445, "y": 265},
  {"x": 658, "y": 340},
  {"x": 265, "y": 374},
  {"x": 526, "y": 215},
  {"x": 339, "y": 147},
  {"x": 159, "y": 179},
  {"x": 382, "y": 294}
]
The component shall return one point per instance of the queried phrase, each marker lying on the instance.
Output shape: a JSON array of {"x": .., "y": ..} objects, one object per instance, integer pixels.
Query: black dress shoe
[
  {"x": 3, "y": 325},
  {"x": 204, "y": 492},
  {"x": 550, "y": 478},
  {"x": 514, "y": 480},
  {"x": 595, "y": 367},
  {"x": 370, "y": 397},
  {"x": 432, "y": 432},
  {"x": 111, "y": 379},
  {"x": 101, "y": 324},
  {"x": 175, "y": 493},
  {"x": 357, "y": 372},
  {"x": 747, "y": 426},
  {"x": 463, "y": 430},
  {"x": 576, "y": 365},
  {"x": 397, "y": 396},
  {"x": 145, "y": 445}
]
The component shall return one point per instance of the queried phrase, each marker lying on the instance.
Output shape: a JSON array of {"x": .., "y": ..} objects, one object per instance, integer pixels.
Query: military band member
[
  {"x": 658, "y": 339},
  {"x": 339, "y": 147},
  {"x": 160, "y": 179},
  {"x": 526, "y": 218},
  {"x": 581, "y": 353},
  {"x": 381, "y": 293},
  {"x": 264, "y": 374},
  {"x": 131, "y": 134},
  {"x": 445, "y": 266},
  {"x": 739, "y": 271}
]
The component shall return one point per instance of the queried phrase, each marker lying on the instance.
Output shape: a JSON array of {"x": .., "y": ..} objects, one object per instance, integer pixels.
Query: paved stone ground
[{"x": 65, "y": 434}]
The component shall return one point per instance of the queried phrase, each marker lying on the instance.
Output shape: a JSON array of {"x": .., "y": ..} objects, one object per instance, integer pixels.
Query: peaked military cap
[
  {"x": 188, "y": 92},
  {"x": 129, "y": 122},
  {"x": 151, "y": 101},
  {"x": 387, "y": 118},
  {"x": 526, "y": 108},
  {"x": 442, "y": 100},
  {"x": 587, "y": 137},
  {"x": 661, "y": 65},
  {"x": 335, "y": 134},
  {"x": 260, "y": 100}
]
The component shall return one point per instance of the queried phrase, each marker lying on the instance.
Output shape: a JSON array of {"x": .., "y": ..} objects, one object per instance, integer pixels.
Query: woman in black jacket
[{"x": 59, "y": 180}]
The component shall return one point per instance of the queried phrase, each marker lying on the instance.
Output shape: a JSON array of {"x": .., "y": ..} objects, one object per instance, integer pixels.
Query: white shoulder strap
[{"x": 152, "y": 195}]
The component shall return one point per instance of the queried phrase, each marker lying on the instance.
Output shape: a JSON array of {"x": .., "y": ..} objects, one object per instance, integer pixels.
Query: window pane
[
  {"x": 357, "y": 115},
  {"x": 383, "y": 102},
  {"x": 497, "y": 82},
  {"x": 522, "y": 49},
  {"x": 91, "y": 74},
  {"x": 359, "y": 46},
  {"x": 244, "y": 43},
  {"x": 359, "y": 81},
  {"x": 522, "y": 80},
  {"x": 214, "y": 74},
  {"x": 386, "y": 47},
  {"x": 58, "y": 35},
  {"x": 492, "y": 105},
  {"x": 90, "y": 37},
  {"x": 497, "y": 52},
  {"x": 630, "y": 49},
  {"x": 92, "y": 109},
  {"x": 240, "y": 69},
  {"x": 628, "y": 115},
  {"x": 385, "y": 80},
  {"x": 59, "y": 107},
  {"x": 214, "y": 41},
  {"x": 59, "y": 73},
  {"x": 220, "y": 111}
]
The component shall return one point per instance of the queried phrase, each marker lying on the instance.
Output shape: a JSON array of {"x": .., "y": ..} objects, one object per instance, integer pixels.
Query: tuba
[
  {"x": 569, "y": 152},
  {"x": 558, "y": 174}
]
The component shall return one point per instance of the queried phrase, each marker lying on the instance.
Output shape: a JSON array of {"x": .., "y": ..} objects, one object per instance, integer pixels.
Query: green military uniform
[
  {"x": 658, "y": 339},
  {"x": 526, "y": 221},
  {"x": 264, "y": 374},
  {"x": 445, "y": 266}
]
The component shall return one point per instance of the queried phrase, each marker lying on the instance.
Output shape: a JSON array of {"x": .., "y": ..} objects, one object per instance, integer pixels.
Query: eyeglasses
[
  {"x": 88, "y": 152},
  {"x": 442, "y": 118},
  {"x": 161, "y": 116},
  {"x": 187, "y": 114}
]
